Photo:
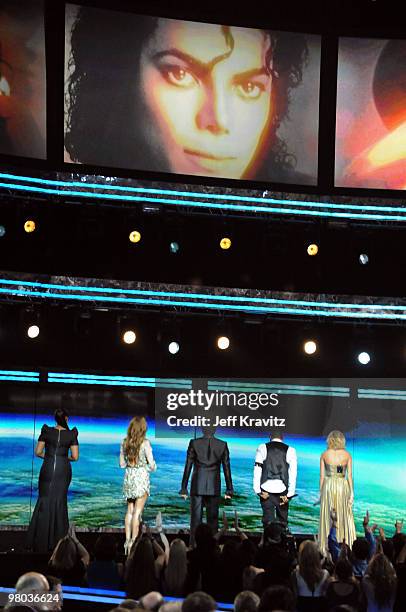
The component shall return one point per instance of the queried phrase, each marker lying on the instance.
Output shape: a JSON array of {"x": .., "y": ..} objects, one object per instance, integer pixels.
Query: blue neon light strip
[
  {"x": 386, "y": 391},
  {"x": 209, "y": 205},
  {"x": 284, "y": 391},
  {"x": 119, "y": 594},
  {"x": 205, "y": 305},
  {"x": 86, "y": 590},
  {"x": 105, "y": 596},
  {"x": 270, "y": 386},
  {"x": 18, "y": 373},
  {"x": 109, "y": 383},
  {"x": 381, "y": 394},
  {"x": 198, "y": 194},
  {"x": 125, "y": 381},
  {"x": 219, "y": 306},
  {"x": 205, "y": 296},
  {"x": 20, "y": 378}
]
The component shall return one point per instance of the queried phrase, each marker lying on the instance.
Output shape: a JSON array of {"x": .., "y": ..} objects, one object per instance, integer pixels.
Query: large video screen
[
  {"x": 371, "y": 114},
  {"x": 373, "y": 421},
  {"x": 22, "y": 78},
  {"x": 190, "y": 98}
]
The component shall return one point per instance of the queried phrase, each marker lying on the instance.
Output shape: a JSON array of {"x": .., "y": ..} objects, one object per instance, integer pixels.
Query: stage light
[
  {"x": 174, "y": 247},
  {"x": 312, "y": 249},
  {"x": 223, "y": 342},
  {"x": 2, "y": 231},
  {"x": 33, "y": 331},
  {"x": 364, "y": 358},
  {"x": 135, "y": 236},
  {"x": 29, "y": 226},
  {"x": 363, "y": 259},
  {"x": 225, "y": 243},
  {"x": 173, "y": 348},
  {"x": 310, "y": 347},
  {"x": 129, "y": 336}
]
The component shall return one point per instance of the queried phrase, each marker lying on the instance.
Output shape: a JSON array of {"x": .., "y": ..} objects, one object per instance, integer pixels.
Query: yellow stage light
[
  {"x": 135, "y": 236},
  {"x": 225, "y": 243}
]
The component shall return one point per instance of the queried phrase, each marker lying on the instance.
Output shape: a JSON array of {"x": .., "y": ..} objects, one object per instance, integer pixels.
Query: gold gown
[{"x": 335, "y": 493}]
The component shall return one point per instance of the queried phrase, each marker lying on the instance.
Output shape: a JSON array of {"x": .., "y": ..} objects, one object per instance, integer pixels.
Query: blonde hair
[
  {"x": 135, "y": 437},
  {"x": 336, "y": 440},
  {"x": 310, "y": 564}
]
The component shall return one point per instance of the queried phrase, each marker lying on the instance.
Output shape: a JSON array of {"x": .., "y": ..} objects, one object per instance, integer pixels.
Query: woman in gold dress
[{"x": 336, "y": 491}]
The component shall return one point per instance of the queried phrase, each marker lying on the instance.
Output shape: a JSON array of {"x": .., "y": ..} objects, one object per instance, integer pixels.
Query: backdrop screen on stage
[
  {"x": 371, "y": 114},
  {"x": 22, "y": 78},
  {"x": 370, "y": 412},
  {"x": 191, "y": 98}
]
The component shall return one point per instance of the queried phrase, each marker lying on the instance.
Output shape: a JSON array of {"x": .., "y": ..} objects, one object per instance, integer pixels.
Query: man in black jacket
[{"x": 205, "y": 455}]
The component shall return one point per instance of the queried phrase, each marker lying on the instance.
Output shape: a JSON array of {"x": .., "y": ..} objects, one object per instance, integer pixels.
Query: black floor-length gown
[{"x": 49, "y": 521}]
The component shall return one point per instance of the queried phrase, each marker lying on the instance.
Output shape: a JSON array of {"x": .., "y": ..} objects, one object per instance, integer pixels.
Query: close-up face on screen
[
  {"x": 371, "y": 114},
  {"x": 190, "y": 98},
  {"x": 22, "y": 79}
]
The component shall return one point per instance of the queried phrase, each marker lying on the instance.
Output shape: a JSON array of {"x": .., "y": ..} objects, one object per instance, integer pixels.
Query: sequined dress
[
  {"x": 336, "y": 493},
  {"x": 136, "y": 477}
]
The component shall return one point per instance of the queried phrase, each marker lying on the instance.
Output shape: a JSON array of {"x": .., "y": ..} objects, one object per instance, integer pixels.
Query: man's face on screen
[{"x": 207, "y": 91}]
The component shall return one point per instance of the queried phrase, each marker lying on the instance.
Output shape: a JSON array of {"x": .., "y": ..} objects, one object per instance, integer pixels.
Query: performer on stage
[
  {"x": 49, "y": 522},
  {"x": 137, "y": 459},
  {"x": 205, "y": 455},
  {"x": 336, "y": 491},
  {"x": 275, "y": 474}
]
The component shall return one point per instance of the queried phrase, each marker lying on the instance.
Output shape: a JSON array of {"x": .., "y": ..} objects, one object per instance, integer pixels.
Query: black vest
[{"x": 275, "y": 466}]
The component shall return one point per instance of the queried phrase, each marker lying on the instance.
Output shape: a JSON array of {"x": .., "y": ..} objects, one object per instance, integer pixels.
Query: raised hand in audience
[{"x": 239, "y": 532}]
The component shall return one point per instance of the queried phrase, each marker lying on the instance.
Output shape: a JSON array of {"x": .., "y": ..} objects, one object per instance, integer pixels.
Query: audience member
[
  {"x": 30, "y": 583},
  {"x": 204, "y": 562},
  {"x": 175, "y": 574},
  {"x": 379, "y": 584},
  {"x": 104, "y": 571},
  {"x": 144, "y": 566},
  {"x": 344, "y": 589},
  {"x": 310, "y": 580},
  {"x": 69, "y": 561},
  {"x": 277, "y": 598},
  {"x": 199, "y": 602},
  {"x": 246, "y": 601},
  {"x": 55, "y": 588}
]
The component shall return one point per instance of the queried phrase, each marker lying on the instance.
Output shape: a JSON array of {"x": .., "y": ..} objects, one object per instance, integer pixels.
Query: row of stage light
[
  {"x": 223, "y": 343},
  {"x": 225, "y": 242}
]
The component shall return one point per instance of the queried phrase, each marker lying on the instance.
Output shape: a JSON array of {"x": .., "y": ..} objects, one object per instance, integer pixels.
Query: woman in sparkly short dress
[
  {"x": 137, "y": 459},
  {"x": 336, "y": 491}
]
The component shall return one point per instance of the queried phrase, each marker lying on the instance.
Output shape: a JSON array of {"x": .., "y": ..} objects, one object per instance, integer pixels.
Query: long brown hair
[
  {"x": 135, "y": 437},
  {"x": 65, "y": 555},
  {"x": 310, "y": 564},
  {"x": 383, "y": 577},
  {"x": 176, "y": 570}
]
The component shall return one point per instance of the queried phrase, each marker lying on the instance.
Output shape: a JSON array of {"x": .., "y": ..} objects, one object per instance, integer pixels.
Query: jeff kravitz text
[{"x": 229, "y": 421}]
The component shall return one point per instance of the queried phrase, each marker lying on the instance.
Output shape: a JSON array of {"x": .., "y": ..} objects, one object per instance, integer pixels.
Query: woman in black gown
[{"x": 49, "y": 522}]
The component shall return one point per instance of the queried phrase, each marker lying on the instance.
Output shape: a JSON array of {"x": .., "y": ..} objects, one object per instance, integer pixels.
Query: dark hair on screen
[
  {"x": 102, "y": 98},
  {"x": 60, "y": 416}
]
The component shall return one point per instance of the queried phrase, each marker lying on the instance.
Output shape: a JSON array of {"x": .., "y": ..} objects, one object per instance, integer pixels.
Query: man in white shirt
[{"x": 275, "y": 474}]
